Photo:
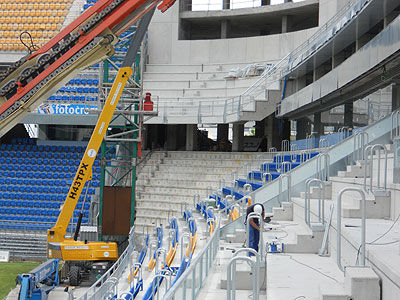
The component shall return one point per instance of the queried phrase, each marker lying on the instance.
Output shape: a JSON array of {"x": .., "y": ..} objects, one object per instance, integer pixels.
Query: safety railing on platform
[{"x": 189, "y": 284}]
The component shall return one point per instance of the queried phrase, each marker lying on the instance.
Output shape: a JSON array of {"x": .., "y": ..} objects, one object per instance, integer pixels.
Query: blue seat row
[
  {"x": 83, "y": 81},
  {"x": 45, "y": 182},
  {"x": 55, "y": 201},
  {"x": 41, "y": 148},
  {"x": 79, "y": 90},
  {"x": 274, "y": 167},
  {"x": 7, "y": 213},
  {"x": 255, "y": 185},
  {"x": 41, "y": 155},
  {"x": 39, "y": 196},
  {"x": 294, "y": 158},
  {"x": 66, "y": 98},
  {"x": 38, "y": 189},
  {"x": 257, "y": 175},
  {"x": 44, "y": 161},
  {"x": 231, "y": 191}
]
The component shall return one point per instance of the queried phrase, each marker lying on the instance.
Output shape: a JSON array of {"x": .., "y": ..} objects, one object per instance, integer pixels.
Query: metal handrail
[
  {"x": 323, "y": 172},
  {"x": 156, "y": 281},
  {"x": 339, "y": 225},
  {"x": 324, "y": 143},
  {"x": 395, "y": 116},
  {"x": 209, "y": 251},
  {"x": 196, "y": 199},
  {"x": 343, "y": 133},
  {"x": 361, "y": 139},
  {"x": 123, "y": 295},
  {"x": 321, "y": 201},
  {"x": 289, "y": 187},
  {"x": 285, "y": 145},
  {"x": 248, "y": 187},
  {"x": 187, "y": 236},
  {"x": 227, "y": 199},
  {"x": 369, "y": 162},
  {"x": 267, "y": 176},
  {"x": 309, "y": 140},
  {"x": 255, "y": 215},
  {"x": 231, "y": 278},
  {"x": 286, "y": 166}
]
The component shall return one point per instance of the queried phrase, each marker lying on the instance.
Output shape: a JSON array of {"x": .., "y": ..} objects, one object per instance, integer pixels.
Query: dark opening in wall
[{"x": 246, "y": 22}]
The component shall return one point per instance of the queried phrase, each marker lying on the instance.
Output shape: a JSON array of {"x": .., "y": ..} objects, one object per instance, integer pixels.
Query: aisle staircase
[{"x": 168, "y": 182}]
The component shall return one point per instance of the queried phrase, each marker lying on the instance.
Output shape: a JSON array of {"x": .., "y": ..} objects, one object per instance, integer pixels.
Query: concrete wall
[
  {"x": 165, "y": 48},
  {"x": 328, "y": 8}
]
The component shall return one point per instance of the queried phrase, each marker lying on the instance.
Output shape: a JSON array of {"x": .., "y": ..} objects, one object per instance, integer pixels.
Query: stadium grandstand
[{"x": 139, "y": 138}]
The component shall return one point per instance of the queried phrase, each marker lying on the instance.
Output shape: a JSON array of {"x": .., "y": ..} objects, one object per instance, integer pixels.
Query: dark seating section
[{"x": 34, "y": 182}]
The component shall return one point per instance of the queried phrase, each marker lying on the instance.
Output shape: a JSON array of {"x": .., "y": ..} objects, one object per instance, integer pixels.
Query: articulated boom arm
[{"x": 86, "y": 41}]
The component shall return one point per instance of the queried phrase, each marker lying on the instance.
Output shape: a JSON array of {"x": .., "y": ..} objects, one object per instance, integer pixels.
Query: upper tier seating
[{"x": 43, "y": 19}]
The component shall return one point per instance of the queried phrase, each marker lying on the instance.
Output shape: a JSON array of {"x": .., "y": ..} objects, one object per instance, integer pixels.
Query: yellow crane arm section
[{"x": 84, "y": 172}]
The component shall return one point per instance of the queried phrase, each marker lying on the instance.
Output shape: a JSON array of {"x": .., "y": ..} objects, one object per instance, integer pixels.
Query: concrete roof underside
[
  {"x": 368, "y": 18},
  {"x": 257, "y": 16},
  {"x": 380, "y": 76}
]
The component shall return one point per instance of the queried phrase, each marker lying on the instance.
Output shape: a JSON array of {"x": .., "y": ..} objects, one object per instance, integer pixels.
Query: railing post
[
  {"x": 369, "y": 159},
  {"x": 231, "y": 279},
  {"x": 395, "y": 118},
  {"x": 321, "y": 201},
  {"x": 323, "y": 169},
  {"x": 339, "y": 225}
]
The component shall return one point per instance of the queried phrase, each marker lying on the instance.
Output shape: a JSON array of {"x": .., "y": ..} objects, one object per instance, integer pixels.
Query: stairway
[
  {"x": 166, "y": 184},
  {"x": 24, "y": 245}
]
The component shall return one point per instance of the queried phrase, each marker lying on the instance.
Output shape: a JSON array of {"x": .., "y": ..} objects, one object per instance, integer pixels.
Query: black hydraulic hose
[{"x": 78, "y": 224}]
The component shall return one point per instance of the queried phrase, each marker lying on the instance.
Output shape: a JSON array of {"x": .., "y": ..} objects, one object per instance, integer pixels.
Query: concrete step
[
  {"x": 334, "y": 293},
  {"x": 283, "y": 213},
  {"x": 238, "y": 237},
  {"x": 379, "y": 208},
  {"x": 244, "y": 277},
  {"x": 158, "y": 185},
  {"x": 362, "y": 283}
]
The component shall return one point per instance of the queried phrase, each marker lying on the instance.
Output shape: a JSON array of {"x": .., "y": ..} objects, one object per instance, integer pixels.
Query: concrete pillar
[
  {"x": 302, "y": 128},
  {"x": 265, "y": 2},
  {"x": 171, "y": 137},
  {"x": 226, "y": 4},
  {"x": 286, "y": 23},
  {"x": 269, "y": 130},
  {"x": 225, "y": 29},
  {"x": 238, "y": 137},
  {"x": 222, "y": 132},
  {"x": 318, "y": 126},
  {"x": 42, "y": 132},
  {"x": 395, "y": 96},
  {"x": 191, "y": 137},
  {"x": 260, "y": 128},
  {"x": 348, "y": 115}
]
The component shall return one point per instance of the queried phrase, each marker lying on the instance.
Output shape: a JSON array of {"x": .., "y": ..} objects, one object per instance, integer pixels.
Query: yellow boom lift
[{"x": 79, "y": 253}]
